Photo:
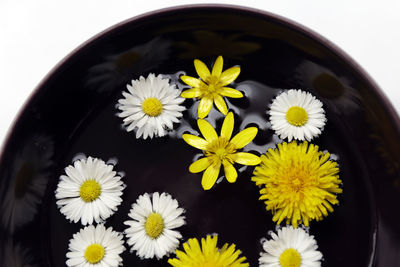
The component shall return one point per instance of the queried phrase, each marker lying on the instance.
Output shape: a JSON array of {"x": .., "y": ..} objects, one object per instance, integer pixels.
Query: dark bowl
[{"x": 73, "y": 111}]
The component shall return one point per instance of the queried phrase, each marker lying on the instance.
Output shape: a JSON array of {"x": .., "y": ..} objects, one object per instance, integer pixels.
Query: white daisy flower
[
  {"x": 151, "y": 106},
  {"x": 292, "y": 247},
  {"x": 27, "y": 179},
  {"x": 95, "y": 246},
  {"x": 296, "y": 114},
  {"x": 334, "y": 90},
  {"x": 90, "y": 191},
  {"x": 151, "y": 231}
]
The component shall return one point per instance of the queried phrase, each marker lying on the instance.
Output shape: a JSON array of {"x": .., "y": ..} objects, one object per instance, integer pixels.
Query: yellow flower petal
[
  {"x": 207, "y": 130},
  {"x": 227, "y": 126},
  {"x": 199, "y": 165},
  {"x": 201, "y": 70},
  {"x": 230, "y": 172},
  {"x": 191, "y": 93},
  {"x": 229, "y": 75},
  {"x": 221, "y": 105},
  {"x": 217, "y": 69},
  {"x": 205, "y": 106},
  {"x": 194, "y": 82},
  {"x": 298, "y": 182},
  {"x": 244, "y": 137},
  {"x": 195, "y": 141},
  {"x": 210, "y": 176},
  {"x": 230, "y": 92},
  {"x": 246, "y": 158}
]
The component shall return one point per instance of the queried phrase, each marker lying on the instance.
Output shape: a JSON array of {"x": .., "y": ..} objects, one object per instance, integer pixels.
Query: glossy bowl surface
[{"x": 72, "y": 112}]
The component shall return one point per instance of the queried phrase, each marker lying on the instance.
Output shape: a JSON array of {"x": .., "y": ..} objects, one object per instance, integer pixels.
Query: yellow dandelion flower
[
  {"x": 208, "y": 254},
  {"x": 211, "y": 87},
  {"x": 299, "y": 182},
  {"x": 221, "y": 150}
]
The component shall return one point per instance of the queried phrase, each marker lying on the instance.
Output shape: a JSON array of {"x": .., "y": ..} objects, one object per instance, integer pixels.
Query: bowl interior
[{"x": 73, "y": 113}]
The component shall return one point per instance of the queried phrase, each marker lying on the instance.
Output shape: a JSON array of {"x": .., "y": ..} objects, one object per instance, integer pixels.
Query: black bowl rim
[{"x": 388, "y": 107}]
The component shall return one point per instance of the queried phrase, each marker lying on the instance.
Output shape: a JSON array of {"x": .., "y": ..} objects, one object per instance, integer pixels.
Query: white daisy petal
[
  {"x": 292, "y": 245},
  {"x": 91, "y": 194},
  {"x": 152, "y": 232},
  {"x": 305, "y": 124},
  {"x": 151, "y": 106},
  {"x": 105, "y": 245}
]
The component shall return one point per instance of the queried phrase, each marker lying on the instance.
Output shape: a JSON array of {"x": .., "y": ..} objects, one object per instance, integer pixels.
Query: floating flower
[
  {"x": 297, "y": 114},
  {"x": 334, "y": 90},
  {"x": 151, "y": 233},
  {"x": 208, "y": 254},
  {"x": 211, "y": 87},
  {"x": 27, "y": 177},
  {"x": 90, "y": 191},
  {"x": 299, "y": 182},
  {"x": 292, "y": 247},
  {"x": 151, "y": 106},
  {"x": 95, "y": 246},
  {"x": 220, "y": 150}
]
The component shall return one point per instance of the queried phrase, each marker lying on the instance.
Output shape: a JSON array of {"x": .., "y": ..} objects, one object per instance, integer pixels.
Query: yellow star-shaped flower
[
  {"x": 221, "y": 150},
  {"x": 211, "y": 87}
]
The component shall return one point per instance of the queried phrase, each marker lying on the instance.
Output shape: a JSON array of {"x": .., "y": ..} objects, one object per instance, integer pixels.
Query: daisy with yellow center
[
  {"x": 221, "y": 150},
  {"x": 152, "y": 232},
  {"x": 296, "y": 114},
  {"x": 95, "y": 246},
  {"x": 90, "y": 191},
  {"x": 150, "y": 106},
  {"x": 291, "y": 247},
  {"x": 208, "y": 254},
  {"x": 299, "y": 183},
  {"x": 212, "y": 86}
]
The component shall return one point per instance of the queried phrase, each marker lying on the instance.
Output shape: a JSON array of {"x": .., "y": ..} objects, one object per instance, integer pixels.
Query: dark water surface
[{"x": 74, "y": 112}]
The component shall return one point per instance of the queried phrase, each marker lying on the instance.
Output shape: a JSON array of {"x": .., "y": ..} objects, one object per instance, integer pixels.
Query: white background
[{"x": 35, "y": 35}]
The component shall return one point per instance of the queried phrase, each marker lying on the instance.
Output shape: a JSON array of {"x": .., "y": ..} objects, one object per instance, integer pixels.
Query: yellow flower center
[
  {"x": 297, "y": 116},
  {"x": 328, "y": 86},
  {"x": 290, "y": 258},
  {"x": 220, "y": 149},
  {"x": 154, "y": 225},
  {"x": 213, "y": 86},
  {"x": 90, "y": 190},
  {"x": 94, "y": 253},
  {"x": 152, "y": 107},
  {"x": 211, "y": 264}
]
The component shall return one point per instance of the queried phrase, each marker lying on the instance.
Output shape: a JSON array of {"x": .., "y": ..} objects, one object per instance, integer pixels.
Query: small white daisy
[
  {"x": 90, "y": 191},
  {"x": 95, "y": 246},
  {"x": 296, "y": 114},
  {"x": 151, "y": 232},
  {"x": 292, "y": 247},
  {"x": 151, "y": 106}
]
